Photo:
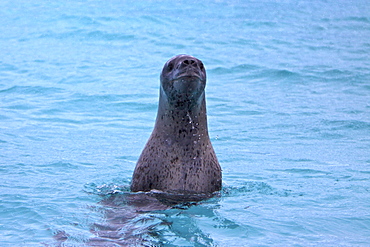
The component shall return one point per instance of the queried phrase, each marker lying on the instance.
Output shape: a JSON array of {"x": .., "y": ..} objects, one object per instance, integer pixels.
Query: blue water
[{"x": 288, "y": 99}]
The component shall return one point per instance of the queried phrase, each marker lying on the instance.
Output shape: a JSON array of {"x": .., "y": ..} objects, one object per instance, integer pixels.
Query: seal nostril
[{"x": 189, "y": 62}]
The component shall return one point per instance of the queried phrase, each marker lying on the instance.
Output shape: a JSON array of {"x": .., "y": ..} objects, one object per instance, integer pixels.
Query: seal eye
[
  {"x": 169, "y": 67},
  {"x": 201, "y": 66}
]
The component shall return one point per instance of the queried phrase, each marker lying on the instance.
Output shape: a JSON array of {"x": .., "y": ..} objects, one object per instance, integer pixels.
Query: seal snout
[
  {"x": 191, "y": 63},
  {"x": 189, "y": 67}
]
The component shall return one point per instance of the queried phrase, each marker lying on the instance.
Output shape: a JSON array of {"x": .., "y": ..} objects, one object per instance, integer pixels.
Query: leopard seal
[{"x": 179, "y": 157}]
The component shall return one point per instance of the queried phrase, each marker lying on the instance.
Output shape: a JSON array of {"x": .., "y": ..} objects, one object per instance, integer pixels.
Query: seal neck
[{"x": 182, "y": 122}]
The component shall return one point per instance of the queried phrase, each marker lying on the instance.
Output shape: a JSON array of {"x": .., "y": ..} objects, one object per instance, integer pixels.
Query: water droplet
[{"x": 169, "y": 141}]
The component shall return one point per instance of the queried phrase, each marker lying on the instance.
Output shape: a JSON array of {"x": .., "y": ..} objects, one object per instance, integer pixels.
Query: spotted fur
[{"x": 179, "y": 156}]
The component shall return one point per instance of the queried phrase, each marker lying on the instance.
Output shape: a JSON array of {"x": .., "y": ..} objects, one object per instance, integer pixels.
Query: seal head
[
  {"x": 179, "y": 157},
  {"x": 183, "y": 80}
]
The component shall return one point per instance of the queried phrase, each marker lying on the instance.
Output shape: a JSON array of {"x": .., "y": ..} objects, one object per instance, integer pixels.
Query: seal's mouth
[
  {"x": 188, "y": 73},
  {"x": 186, "y": 78},
  {"x": 187, "y": 84}
]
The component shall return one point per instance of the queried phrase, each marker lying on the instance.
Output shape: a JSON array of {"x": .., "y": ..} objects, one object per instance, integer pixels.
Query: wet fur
[{"x": 179, "y": 156}]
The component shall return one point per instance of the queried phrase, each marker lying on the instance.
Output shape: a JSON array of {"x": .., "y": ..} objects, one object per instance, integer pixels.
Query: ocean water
[{"x": 288, "y": 97}]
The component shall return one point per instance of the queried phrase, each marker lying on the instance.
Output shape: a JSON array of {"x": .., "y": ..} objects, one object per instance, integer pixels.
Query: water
[{"x": 288, "y": 99}]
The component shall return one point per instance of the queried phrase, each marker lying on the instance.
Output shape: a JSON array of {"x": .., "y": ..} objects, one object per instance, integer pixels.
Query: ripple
[{"x": 252, "y": 189}]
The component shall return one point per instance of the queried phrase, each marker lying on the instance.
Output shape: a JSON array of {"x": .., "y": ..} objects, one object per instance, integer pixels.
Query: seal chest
[{"x": 179, "y": 156}]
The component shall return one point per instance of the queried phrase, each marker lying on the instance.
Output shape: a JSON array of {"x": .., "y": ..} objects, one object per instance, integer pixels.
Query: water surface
[{"x": 288, "y": 99}]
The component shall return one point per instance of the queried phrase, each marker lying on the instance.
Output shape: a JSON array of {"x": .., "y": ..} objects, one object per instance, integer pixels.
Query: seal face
[{"x": 179, "y": 156}]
